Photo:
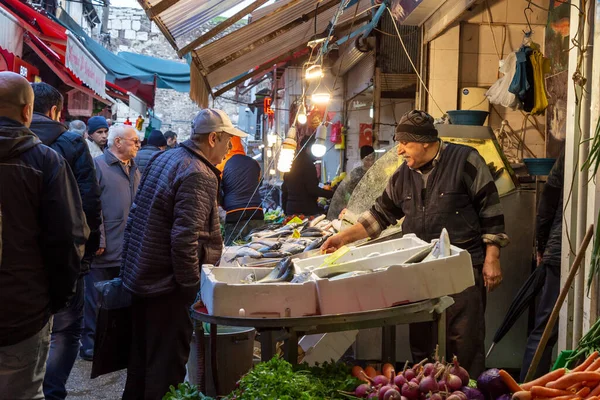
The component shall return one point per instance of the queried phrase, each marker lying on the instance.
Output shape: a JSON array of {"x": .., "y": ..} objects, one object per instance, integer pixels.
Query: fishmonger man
[{"x": 442, "y": 185}]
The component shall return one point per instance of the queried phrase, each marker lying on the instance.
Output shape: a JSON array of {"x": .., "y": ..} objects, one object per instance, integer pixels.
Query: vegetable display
[
  {"x": 424, "y": 381},
  {"x": 587, "y": 345},
  {"x": 581, "y": 383}
]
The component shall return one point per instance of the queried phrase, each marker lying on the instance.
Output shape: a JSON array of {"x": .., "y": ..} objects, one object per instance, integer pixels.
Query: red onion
[
  {"x": 362, "y": 390},
  {"x": 410, "y": 390},
  {"x": 400, "y": 380},
  {"x": 459, "y": 371},
  {"x": 453, "y": 397},
  {"x": 383, "y": 390},
  {"x": 429, "y": 369},
  {"x": 453, "y": 382},
  {"x": 380, "y": 380},
  {"x": 435, "y": 396},
  {"x": 373, "y": 395},
  {"x": 393, "y": 394},
  {"x": 428, "y": 384},
  {"x": 460, "y": 395},
  {"x": 410, "y": 374}
]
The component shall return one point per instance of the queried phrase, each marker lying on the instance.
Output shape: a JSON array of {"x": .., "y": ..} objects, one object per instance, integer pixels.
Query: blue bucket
[
  {"x": 468, "y": 117},
  {"x": 539, "y": 166}
]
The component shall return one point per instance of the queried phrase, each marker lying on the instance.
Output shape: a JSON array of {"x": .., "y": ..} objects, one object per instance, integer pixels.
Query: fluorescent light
[
  {"x": 380, "y": 151},
  {"x": 321, "y": 98}
]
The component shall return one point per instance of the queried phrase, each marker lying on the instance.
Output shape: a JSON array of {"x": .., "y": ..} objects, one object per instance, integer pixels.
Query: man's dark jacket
[
  {"x": 173, "y": 227},
  {"x": 75, "y": 151},
  {"x": 550, "y": 213},
  {"x": 43, "y": 233},
  {"x": 241, "y": 177},
  {"x": 300, "y": 189},
  {"x": 144, "y": 155}
]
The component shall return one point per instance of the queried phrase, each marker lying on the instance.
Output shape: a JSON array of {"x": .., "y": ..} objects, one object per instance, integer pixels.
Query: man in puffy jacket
[
  {"x": 67, "y": 324},
  {"x": 173, "y": 229},
  {"x": 118, "y": 177},
  {"x": 43, "y": 236},
  {"x": 156, "y": 143}
]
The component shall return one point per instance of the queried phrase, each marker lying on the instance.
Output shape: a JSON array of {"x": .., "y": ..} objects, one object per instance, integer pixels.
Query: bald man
[{"x": 41, "y": 245}]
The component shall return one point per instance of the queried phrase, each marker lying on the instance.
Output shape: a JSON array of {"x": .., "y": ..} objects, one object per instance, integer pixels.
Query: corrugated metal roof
[
  {"x": 246, "y": 36},
  {"x": 186, "y": 15},
  {"x": 263, "y": 11},
  {"x": 349, "y": 57}
]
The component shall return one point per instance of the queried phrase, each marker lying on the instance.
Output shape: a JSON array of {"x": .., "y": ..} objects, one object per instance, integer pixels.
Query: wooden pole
[{"x": 561, "y": 298}]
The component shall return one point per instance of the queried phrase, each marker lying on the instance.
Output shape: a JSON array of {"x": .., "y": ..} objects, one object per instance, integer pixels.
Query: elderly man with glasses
[{"x": 119, "y": 178}]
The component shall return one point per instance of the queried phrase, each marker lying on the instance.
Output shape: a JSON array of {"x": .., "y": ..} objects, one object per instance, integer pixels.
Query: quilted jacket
[
  {"x": 144, "y": 155},
  {"x": 173, "y": 227}
]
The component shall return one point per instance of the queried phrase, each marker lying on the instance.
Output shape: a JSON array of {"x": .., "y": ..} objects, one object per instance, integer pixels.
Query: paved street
[{"x": 105, "y": 387}]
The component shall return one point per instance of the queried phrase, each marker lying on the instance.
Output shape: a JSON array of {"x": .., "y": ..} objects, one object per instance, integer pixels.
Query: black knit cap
[{"x": 416, "y": 126}]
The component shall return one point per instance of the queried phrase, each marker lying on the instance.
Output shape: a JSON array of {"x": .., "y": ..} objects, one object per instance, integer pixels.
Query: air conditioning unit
[{"x": 79, "y": 104}]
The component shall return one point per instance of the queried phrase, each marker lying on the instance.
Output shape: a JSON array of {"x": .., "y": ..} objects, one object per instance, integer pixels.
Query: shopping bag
[{"x": 113, "y": 328}]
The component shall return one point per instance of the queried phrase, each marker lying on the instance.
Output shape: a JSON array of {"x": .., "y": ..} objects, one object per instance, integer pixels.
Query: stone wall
[{"x": 131, "y": 30}]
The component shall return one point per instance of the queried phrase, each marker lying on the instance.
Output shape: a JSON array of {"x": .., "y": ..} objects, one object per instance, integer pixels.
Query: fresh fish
[
  {"x": 315, "y": 221},
  {"x": 445, "y": 250},
  {"x": 250, "y": 278},
  {"x": 349, "y": 275},
  {"x": 323, "y": 224},
  {"x": 276, "y": 234},
  {"x": 276, "y": 254},
  {"x": 313, "y": 234},
  {"x": 274, "y": 247},
  {"x": 283, "y": 272},
  {"x": 317, "y": 243},
  {"x": 293, "y": 248},
  {"x": 305, "y": 276},
  {"x": 246, "y": 252},
  {"x": 421, "y": 255}
]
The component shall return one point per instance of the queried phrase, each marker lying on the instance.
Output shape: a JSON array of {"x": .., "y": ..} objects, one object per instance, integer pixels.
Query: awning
[
  {"x": 60, "y": 70},
  {"x": 170, "y": 74},
  {"x": 84, "y": 65},
  {"x": 11, "y": 33}
]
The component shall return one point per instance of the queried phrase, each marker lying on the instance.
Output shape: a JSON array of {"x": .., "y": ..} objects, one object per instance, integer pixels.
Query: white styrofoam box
[
  {"x": 224, "y": 295},
  {"x": 326, "y": 346},
  {"x": 396, "y": 284},
  {"x": 408, "y": 241}
]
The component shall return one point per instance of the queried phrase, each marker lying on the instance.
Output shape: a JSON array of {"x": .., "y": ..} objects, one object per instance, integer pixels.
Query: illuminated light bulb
[
  {"x": 271, "y": 138},
  {"x": 314, "y": 72},
  {"x": 371, "y": 112},
  {"x": 321, "y": 98},
  {"x": 288, "y": 151},
  {"x": 302, "y": 118},
  {"x": 269, "y": 153},
  {"x": 272, "y": 171},
  {"x": 318, "y": 149}
]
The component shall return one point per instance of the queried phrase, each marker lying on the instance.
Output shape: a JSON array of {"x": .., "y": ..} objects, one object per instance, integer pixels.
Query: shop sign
[
  {"x": 85, "y": 66},
  {"x": 267, "y": 107},
  {"x": 25, "y": 69}
]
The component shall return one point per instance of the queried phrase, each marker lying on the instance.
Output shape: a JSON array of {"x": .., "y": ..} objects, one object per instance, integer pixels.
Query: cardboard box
[
  {"x": 394, "y": 285},
  {"x": 224, "y": 294}
]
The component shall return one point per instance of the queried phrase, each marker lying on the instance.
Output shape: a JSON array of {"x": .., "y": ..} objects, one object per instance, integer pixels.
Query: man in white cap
[{"x": 173, "y": 228}]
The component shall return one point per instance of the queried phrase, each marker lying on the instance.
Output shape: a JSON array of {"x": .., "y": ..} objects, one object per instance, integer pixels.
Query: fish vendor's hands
[
  {"x": 332, "y": 244},
  {"x": 492, "y": 272}
]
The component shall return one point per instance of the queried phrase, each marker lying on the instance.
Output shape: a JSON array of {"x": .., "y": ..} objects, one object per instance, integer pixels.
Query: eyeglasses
[{"x": 135, "y": 141}]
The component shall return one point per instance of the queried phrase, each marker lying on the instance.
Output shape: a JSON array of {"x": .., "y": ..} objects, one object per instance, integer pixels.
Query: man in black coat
[
  {"x": 156, "y": 143},
  {"x": 43, "y": 236},
  {"x": 68, "y": 324}
]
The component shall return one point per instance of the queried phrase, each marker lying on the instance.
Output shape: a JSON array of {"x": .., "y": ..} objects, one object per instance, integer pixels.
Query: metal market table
[{"x": 294, "y": 328}]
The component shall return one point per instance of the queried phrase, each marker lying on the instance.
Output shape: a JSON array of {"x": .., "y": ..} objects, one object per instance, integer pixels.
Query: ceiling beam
[
  {"x": 276, "y": 33},
  {"x": 268, "y": 65},
  {"x": 220, "y": 28},
  {"x": 155, "y": 10},
  {"x": 445, "y": 16}
]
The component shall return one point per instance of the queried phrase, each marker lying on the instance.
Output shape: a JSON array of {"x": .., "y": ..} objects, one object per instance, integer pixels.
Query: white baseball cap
[{"x": 212, "y": 120}]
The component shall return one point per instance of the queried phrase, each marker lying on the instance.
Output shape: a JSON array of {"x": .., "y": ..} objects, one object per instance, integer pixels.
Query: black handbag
[{"x": 113, "y": 328}]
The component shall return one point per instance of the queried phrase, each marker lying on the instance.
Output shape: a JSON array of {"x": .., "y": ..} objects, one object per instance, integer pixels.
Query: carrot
[
  {"x": 522, "y": 395},
  {"x": 543, "y": 380},
  {"x": 569, "y": 397},
  {"x": 573, "y": 378},
  {"x": 513, "y": 386},
  {"x": 540, "y": 391},
  {"x": 588, "y": 361},
  {"x": 584, "y": 392},
  {"x": 592, "y": 398},
  {"x": 575, "y": 388},
  {"x": 591, "y": 384},
  {"x": 594, "y": 366},
  {"x": 595, "y": 392}
]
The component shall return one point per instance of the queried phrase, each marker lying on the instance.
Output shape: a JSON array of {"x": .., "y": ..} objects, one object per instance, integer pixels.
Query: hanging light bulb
[
  {"x": 321, "y": 98},
  {"x": 318, "y": 149},
  {"x": 288, "y": 150},
  {"x": 314, "y": 72},
  {"x": 371, "y": 111},
  {"x": 302, "y": 117}
]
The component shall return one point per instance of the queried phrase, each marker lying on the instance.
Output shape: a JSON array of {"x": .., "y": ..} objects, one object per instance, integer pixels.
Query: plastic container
[
  {"x": 539, "y": 166},
  {"x": 468, "y": 117},
  {"x": 235, "y": 348}
]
